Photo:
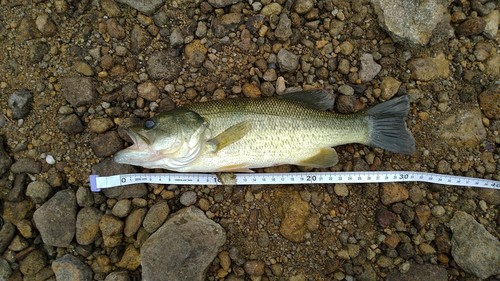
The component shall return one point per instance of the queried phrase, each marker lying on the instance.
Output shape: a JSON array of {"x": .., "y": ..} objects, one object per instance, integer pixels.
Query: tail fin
[{"x": 387, "y": 126}]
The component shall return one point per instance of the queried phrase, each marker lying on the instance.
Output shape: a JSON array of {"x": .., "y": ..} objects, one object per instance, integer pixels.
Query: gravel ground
[{"x": 73, "y": 72}]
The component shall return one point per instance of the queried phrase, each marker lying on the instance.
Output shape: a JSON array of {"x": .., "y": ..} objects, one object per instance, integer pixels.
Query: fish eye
[{"x": 149, "y": 124}]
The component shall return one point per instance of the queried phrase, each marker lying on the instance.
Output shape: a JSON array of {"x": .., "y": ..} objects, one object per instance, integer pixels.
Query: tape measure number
[{"x": 97, "y": 182}]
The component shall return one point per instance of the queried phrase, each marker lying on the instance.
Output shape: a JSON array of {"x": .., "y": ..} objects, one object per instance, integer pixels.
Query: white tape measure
[{"x": 97, "y": 183}]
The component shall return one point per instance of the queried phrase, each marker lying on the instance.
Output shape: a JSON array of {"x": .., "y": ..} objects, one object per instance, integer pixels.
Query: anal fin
[{"x": 325, "y": 157}]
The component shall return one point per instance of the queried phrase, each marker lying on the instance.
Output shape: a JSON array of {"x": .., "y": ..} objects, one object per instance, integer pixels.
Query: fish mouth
[
  {"x": 139, "y": 141},
  {"x": 139, "y": 152}
]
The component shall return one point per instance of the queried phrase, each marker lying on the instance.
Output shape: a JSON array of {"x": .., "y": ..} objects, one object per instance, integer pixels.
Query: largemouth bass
[{"x": 236, "y": 135}]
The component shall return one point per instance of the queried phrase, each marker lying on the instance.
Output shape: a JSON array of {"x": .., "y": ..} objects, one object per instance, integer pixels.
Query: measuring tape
[{"x": 97, "y": 182}]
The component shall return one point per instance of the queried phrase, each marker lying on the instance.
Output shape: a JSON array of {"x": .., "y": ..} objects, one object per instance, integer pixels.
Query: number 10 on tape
[{"x": 97, "y": 182}]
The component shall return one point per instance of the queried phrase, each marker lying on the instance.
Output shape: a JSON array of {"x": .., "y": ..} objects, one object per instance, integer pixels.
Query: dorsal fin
[{"x": 318, "y": 99}]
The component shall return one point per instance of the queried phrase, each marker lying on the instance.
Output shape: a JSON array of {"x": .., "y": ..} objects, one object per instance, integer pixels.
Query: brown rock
[
  {"x": 254, "y": 267},
  {"x": 115, "y": 30},
  {"x": 392, "y": 193},
  {"x": 83, "y": 68},
  {"x": 111, "y": 228},
  {"x": 422, "y": 214},
  {"x": 87, "y": 225},
  {"x": 427, "y": 69},
  {"x": 489, "y": 100},
  {"x": 224, "y": 24},
  {"x": 110, "y": 8},
  {"x": 131, "y": 259},
  {"x": 392, "y": 240},
  {"x": 442, "y": 241},
  {"x": 491, "y": 196},
  {"x": 295, "y": 212},
  {"x": 426, "y": 249},
  {"x": 100, "y": 125},
  {"x": 251, "y": 90},
  {"x": 389, "y": 87},
  {"x": 33, "y": 263},
  {"x": 463, "y": 128},
  {"x": 45, "y": 25},
  {"x": 385, "y": 217},
  {"x": 493, "y": 65},
  {"x": 27, "y": 29},
  {"x": 148, "y": 91},
  {"x": 472, "y": 26},
  {"x": 195, "y": 52},
  {"x": 14, "y": 212}
]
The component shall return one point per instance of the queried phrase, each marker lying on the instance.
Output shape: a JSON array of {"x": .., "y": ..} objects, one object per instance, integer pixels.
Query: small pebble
[
  {"x": 341, "y": 189},
  {"x": 346, "y": 48},
  {"x": 188, "y": 198},
  {"x": 346, "y": 90},
  {"x": 438, "y": 211},
  {"x": 389, "y": 87},
  {"x": 122, "y": 208},
  {"x": 100, "y": 125},
  {"x": 251, "y": 90},
  {"x": 254, "y": 267},
  {"x": 50, "y": 159},
  {"x": 84, "y": 68}
]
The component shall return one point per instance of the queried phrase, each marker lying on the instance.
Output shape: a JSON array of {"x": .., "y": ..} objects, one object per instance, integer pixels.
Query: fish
[{"x": 241, "y": 134}]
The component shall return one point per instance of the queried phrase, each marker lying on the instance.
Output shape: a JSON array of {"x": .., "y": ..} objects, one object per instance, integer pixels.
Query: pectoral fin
[
  {"x": 230, "y": 135},
  {"x": 325, "y": 157}
]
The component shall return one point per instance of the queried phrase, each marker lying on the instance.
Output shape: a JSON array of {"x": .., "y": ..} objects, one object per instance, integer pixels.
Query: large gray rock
[
  {"x": 56, "y": 219},
  {"x": 287, "y": 60},
  {"x": 473, "y": 248},
  {"x": 70, "y": 268},
  {"x": 368, "y": 68},
  {"x": 147, "y": 7},
  {"x": 20, "y": 102},
  {"x": 183, "y": 248},
  {"x": 411, "y": 21}
]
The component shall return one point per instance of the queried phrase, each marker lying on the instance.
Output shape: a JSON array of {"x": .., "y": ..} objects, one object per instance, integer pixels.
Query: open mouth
[
  {"x": 139, "y": 153},
  {"x": 139, "y": 141}
]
